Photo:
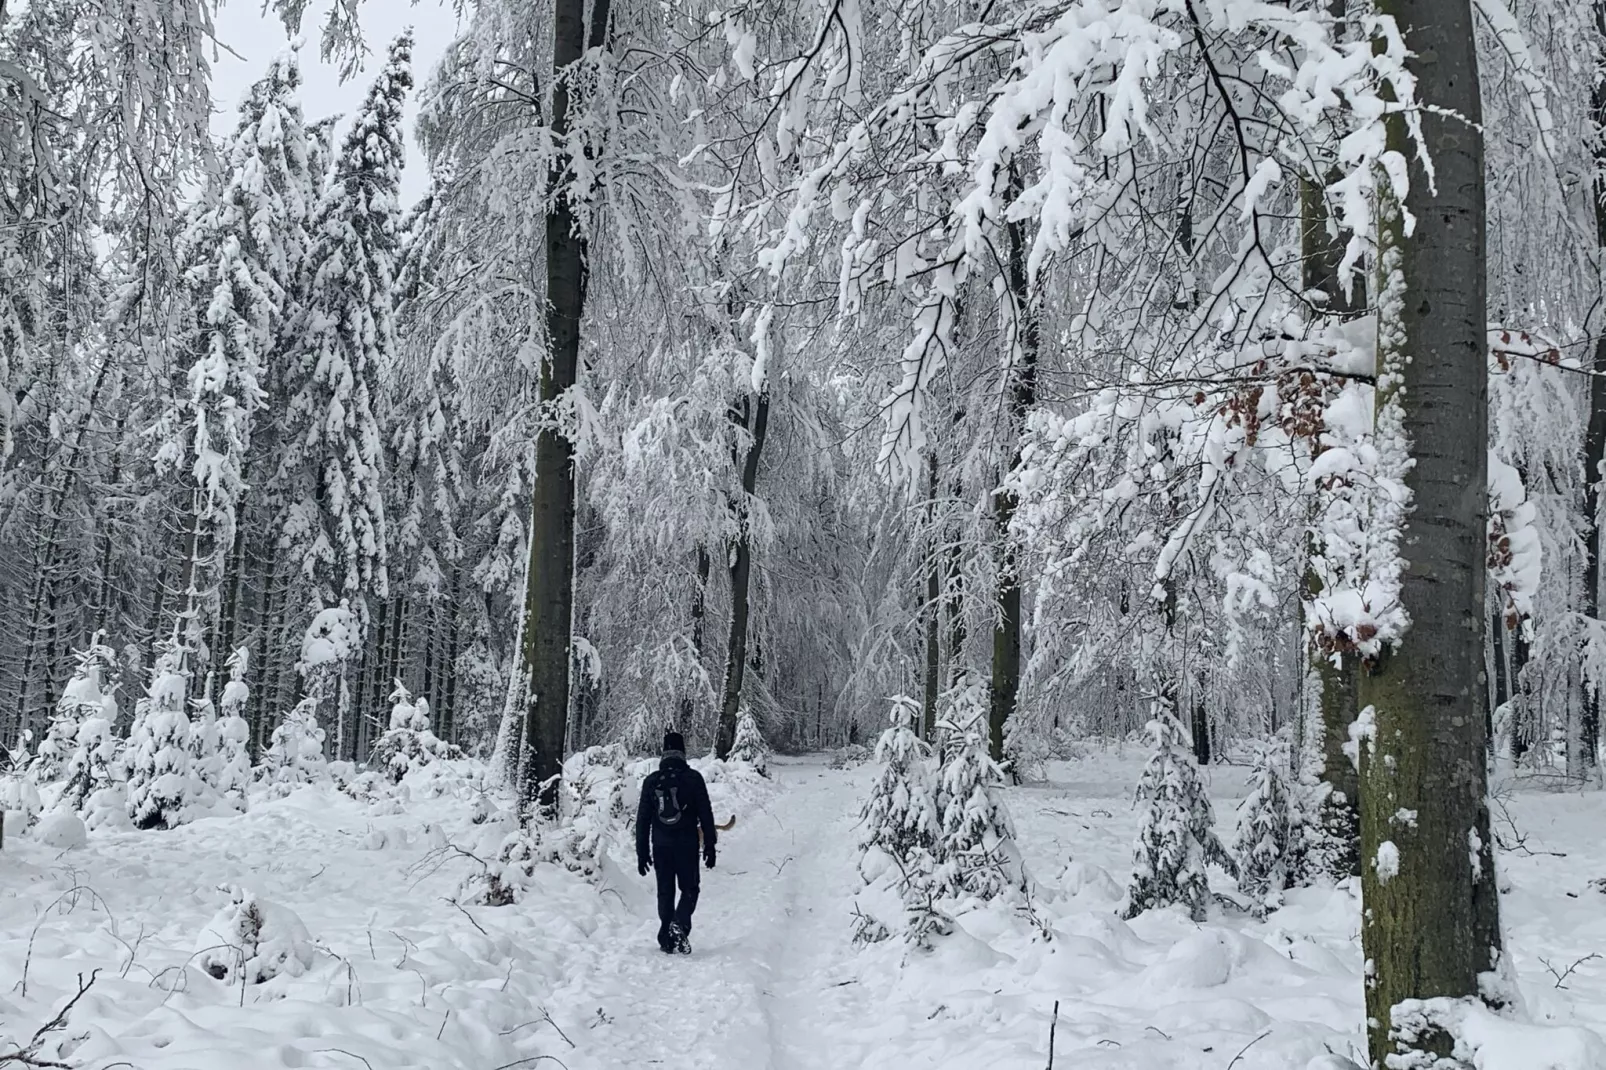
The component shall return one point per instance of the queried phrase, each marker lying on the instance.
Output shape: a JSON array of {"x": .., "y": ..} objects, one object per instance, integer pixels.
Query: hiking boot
[{"x": 677, "y": 938}]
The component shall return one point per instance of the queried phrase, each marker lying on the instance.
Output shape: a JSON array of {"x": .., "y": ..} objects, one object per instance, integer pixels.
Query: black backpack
[{"x": 672, "y": 806}]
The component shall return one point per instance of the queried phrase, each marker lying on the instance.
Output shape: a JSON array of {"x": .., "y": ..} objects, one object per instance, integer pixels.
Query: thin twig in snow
[
  {"x": 1562, "y": 975},
  {"x": 466, "y": 914},
  {"x": 352, "y": 1054},
  {"x": 1246, "y": 1047},
  {"x": 76, "y": 892}
]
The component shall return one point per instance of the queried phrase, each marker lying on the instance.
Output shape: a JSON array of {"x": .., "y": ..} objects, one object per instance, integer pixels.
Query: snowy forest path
[{"x": 766, "y": 980}]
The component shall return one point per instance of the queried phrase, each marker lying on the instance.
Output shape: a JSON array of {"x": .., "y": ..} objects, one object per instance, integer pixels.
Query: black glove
[
  {"x": 643, "y": 865},
  {"x": 708, "y": 856}
]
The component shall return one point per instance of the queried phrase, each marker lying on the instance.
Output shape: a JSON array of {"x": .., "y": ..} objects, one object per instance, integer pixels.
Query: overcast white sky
[{"x": 258, "y": 37}]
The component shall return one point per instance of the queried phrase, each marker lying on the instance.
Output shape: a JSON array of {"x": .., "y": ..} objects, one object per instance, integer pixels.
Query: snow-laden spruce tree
[
  {"x": 979, "y": 856},
  {"x": 234, "y": 734},
  {"x": 88, "y": 694},
  {"x": 162, "y": 785},
  {"x": 900, "y": 817},
  {"x": 331, "y": 471},
  {"x": 409, "y": 743},
  {"x": 1177, "y": 840},
  {"x": 242, "y": 254},
  {"x": 1264, "y": 844},
  {"x": 750, "y": 746},
  {"x": 902, "y": 828},
  {"x": 94, "y": 772},
  {"x": 294, "y": 755},
  {"x": 19, "y": 792}
]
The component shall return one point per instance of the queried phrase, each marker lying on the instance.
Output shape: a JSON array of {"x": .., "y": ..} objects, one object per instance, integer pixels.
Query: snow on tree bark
[{"x": 1431, "y": 924}]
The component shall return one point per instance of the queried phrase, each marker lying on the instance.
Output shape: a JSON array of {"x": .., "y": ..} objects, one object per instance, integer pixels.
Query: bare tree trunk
[
  {"x": 1431, "y": 919},
  {"x": 446, "y": 715},
  {"x": 699, "y": 600},
  {"x": 1201, "y": 722},
  {"x": 1022, "y": 391},
  {"x": 754, "y": 417},
  {"x": 395, "y": 667},
  {"x": 549, "y": 595},
  {"x": 933, "y": 606},
  {"x": 954, "y": 595},
  {"x": 1595, "y": 436},
  {"x": 265, "y": 657},
  {"x": 375, "y": 665},
  {"x": 229, "y": 611}
]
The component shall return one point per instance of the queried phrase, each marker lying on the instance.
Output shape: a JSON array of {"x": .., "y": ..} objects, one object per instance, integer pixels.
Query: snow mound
[
  {"x": 252, "y": 941},
  {"x": 62, "y": 829},
  {"x": 1485, "y": 1040}
]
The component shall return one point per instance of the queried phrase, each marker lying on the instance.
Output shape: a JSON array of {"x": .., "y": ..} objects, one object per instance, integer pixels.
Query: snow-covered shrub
[
  {"x": 1177, "y": 840},
  {"x": 593, "y": 809},
  {"x": 409, "y": 744},
  {"x": 326, "y": 650},
  {"x": 88, "y": 694},
  {"x": 977, "y": 849},
  {"x": 851, "y": 756},
  {"x": 251, "y": 941},
  {"x": 1264, "y": 844},
  {"x": 750, "y": 746},
  {"x": 19, "y": 792},
  {"x": 163, "y": 789},
  {"x": 295, "y": 752}
]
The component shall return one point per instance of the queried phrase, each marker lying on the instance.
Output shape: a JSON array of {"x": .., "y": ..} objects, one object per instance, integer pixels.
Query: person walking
[{"x": 674, "y": 809}]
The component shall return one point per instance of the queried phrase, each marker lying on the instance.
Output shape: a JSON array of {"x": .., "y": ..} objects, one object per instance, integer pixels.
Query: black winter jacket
[{"x": 693, "y": 795}]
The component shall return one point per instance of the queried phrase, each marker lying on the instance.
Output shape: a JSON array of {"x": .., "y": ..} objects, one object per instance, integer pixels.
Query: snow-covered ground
[{"x": 392, "y": 973}]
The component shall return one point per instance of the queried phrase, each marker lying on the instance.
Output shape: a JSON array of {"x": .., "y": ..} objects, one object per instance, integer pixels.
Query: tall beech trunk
[
  {"x": 1431, "y": 920},
  {"x": 1022, "y": 393},
  {"x": 755, "y": 417},
  {"x": 549, "y": 594}
]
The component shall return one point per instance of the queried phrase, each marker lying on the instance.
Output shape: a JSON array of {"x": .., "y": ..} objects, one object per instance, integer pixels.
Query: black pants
[{"x": 675, "y": 860}]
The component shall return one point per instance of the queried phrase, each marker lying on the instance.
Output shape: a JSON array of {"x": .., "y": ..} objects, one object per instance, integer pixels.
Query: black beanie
[{"x": 674, "y": 743}]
